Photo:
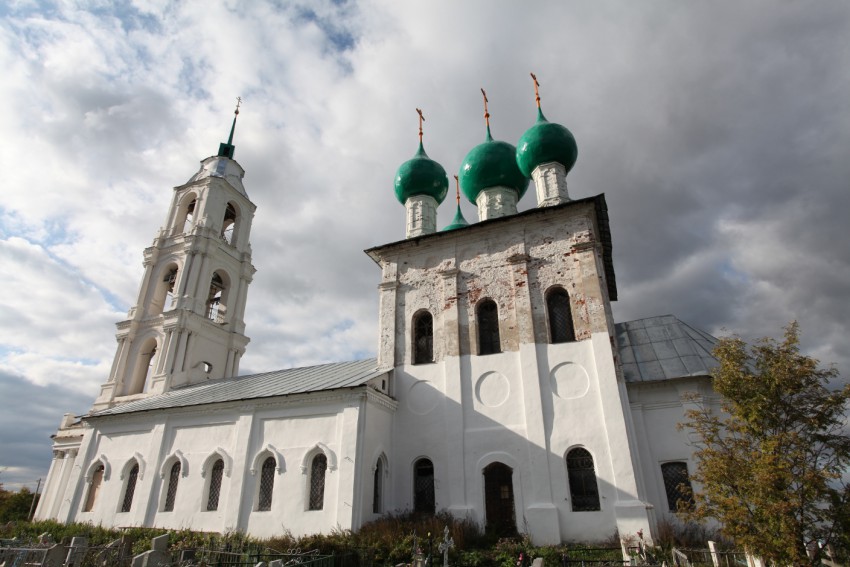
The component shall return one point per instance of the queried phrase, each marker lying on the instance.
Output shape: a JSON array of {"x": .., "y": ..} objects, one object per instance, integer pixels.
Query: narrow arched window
[
  {"x": 264, "y": 499},
  {"x": 130, "y": 488},
  {"x": 317, "y": 481},
  {"x": 677, "y": 484},
  {"x": 584, "y": 492},
  {"x": 94, "y": 489},
  {"x": 424, "y": 500},
  {"x": 377, "y": 492},
  {"x": 190, "y": 217},
  {"x": 561, "y": 328},
  {"x": 488, "y": 327},
  {"x": 215, "y": 485},
  {"x": 171, "y": 494},
  {"x": 215, "y": 299},
  {"x": 423, "y": 338},
  {"x": 228, "y": 225}
]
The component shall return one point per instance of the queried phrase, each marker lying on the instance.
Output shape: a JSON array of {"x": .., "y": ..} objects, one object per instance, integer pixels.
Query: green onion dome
[
  {"x": 491, "y": 164},
  {"x": 543, "y": 143},
  {"x": 457, "y": 222},
  {"x": 421, "y": 176}
]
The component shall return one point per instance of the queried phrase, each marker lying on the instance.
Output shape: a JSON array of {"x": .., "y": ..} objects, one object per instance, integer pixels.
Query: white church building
[{"x": 503, "y": 391}]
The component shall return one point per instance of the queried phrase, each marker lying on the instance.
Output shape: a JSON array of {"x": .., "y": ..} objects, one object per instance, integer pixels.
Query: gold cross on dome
[
  {"x": 421, "y": 120},
  {"x": 486, "y": 112},
  {"x": 536, "y": 89}
]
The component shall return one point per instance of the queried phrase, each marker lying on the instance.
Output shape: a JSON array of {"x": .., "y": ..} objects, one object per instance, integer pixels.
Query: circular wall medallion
[
  {"x": 569, "y": 381},
  {"x": 422, "y": 398},
  {"x": 492, "y": 389}
]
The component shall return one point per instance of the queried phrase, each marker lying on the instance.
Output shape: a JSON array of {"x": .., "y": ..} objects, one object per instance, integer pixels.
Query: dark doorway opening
[{"x": 499, "y": 499}]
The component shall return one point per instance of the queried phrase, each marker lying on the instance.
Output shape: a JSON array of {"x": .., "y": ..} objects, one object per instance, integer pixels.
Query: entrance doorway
[{"x": 499, "y": 499}]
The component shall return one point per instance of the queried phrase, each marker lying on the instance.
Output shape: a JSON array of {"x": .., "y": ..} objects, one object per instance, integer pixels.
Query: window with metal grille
[
  {"x": 215, "y": 485},
  {"x": 423, "y": 338},
  {"x": 423, "y": 487},
  {"x": 173, "y": 479},
  {"x": 677, "y": 484},
  {"x": 94, "y": 489},
  {"x": 377, "y": 489},
  {"x": 130, "y": 489},
  {"x": 317, "y": 481},
  {"x": 264, "y": 501},
  {"x": 488, "y": 327},
  {"x": 561, "y": 328},
  {"x": 584, "y": 492}
]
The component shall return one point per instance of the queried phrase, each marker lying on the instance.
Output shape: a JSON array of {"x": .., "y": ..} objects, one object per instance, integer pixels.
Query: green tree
[
  {"x": 15, "y": 505},
  {"x": 770, "y": 466}
]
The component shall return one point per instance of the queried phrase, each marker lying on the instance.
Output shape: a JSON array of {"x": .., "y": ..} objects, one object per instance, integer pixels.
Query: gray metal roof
[
  {"x": 663, "y": 348},
  {"x": 266, "y": 385}
]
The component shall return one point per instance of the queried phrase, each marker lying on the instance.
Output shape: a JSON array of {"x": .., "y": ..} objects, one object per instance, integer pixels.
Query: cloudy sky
[{"x": 719, "y": 132}]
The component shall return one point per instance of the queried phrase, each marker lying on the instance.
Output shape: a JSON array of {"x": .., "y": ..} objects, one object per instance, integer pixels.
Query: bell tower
[{"x": 188, "y": 322}]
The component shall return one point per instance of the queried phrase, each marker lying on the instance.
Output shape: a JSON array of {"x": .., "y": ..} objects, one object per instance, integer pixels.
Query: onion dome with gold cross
[
  {"x": 545, "y": 142},
  {"x": 491, "y": 164},
  {"x": 421, "y": 175},
  {"x": 458, "y": 221}
]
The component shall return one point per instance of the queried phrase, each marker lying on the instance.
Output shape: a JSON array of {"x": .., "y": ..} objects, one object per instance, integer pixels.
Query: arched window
[
  {"x": 378, "y": 489},
  {"x": 215, "y": 485},
  {"x": 228, "y": 225},
  {"x": 584, "y": 493},
  {"x": 423, "y": 487},
  {"x": 317, "y": 481},
  {"x": 423, "y": 338},
  {"x": 130, "y": 488},
  {"x": 488, "y": 327},
  {"x": 264, "y": 499},
  {"x": 216, "y": 298},
  {"x": 561, "y": 328},
  {"x": 189, "y": 219},
  {"x": 94, "y": 489},
  {"x": 677, "y": 484},
  {"x": 171, "y": 494}
]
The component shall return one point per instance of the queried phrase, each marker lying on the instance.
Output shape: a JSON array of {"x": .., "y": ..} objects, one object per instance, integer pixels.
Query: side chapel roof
[{"x": 663, "y": 348}]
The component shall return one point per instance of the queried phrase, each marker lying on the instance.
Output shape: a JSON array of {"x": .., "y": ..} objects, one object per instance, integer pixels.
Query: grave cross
[{"x": 445, "y": 546}]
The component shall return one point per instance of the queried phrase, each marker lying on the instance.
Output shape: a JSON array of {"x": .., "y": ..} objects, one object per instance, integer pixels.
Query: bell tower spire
[
  {"x": 187, "y": 325},
  {"x": 227, "y": 149}
]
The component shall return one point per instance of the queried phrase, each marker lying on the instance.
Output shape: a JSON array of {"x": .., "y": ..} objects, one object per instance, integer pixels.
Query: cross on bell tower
[{"x": 187, "y": 324}]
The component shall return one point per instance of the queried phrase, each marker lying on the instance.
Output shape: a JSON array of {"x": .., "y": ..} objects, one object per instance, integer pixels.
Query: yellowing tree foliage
[{"x": 770, "y": 468}]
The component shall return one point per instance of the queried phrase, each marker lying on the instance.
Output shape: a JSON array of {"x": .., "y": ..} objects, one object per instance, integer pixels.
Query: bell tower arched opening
[
  {"x": 144, "y": 368},
  {"x": 230, "y": 224},
  {"x": 216, "y": 307},
  {"x": 164, "y": 294}
]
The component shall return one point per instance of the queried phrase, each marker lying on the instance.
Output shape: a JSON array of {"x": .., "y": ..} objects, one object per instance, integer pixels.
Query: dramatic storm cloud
[{"x": 719, "y": 132}]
